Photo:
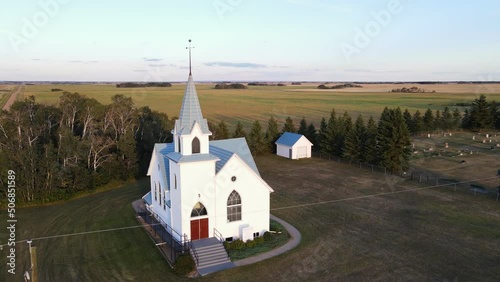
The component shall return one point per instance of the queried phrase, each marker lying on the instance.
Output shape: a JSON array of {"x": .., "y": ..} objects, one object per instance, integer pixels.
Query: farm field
[
  {"x": 261, "y": 102},
  {"x": 432, "y": 234}
]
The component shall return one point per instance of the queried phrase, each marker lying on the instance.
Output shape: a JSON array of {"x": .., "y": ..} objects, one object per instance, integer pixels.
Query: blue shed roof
[{"x": 288, "y": 139}]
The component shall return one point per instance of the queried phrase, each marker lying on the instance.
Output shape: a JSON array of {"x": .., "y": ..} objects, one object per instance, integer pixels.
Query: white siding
[{"x": 255, "y": 199}]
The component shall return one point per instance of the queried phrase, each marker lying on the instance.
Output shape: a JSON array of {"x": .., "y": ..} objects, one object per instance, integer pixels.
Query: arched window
[
  {"x": 156, "y": 192},
  {"x": 175, "y": 181},
  {"x": 234, "y": 207},
  {"x": 195, "y": 146},
  {"x": 198, "y": 210},
  {"x": 179, "y": 143}
]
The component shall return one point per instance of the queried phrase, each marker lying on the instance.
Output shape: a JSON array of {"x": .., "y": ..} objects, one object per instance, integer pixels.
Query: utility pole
[{"x": 32, "y": 262}]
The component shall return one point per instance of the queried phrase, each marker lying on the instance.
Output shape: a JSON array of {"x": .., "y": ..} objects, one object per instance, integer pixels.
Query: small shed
[{"x": 293, "y": 146}]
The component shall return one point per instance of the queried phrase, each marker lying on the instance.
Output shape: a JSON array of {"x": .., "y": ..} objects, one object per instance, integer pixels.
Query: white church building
[{"x": 203, "y": 188}]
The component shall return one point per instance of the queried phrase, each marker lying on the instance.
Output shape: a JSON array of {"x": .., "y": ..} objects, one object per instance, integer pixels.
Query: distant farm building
[{"x": 293, "y": 146}]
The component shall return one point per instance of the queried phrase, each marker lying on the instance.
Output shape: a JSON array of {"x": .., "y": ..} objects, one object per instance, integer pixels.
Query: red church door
[{"x": 199, "y": 229}]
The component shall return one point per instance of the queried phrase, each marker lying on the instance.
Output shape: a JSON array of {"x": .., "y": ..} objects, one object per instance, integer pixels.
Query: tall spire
[
  {"x": 189, "y": 47},
  {"x": 190, "y": 109}
]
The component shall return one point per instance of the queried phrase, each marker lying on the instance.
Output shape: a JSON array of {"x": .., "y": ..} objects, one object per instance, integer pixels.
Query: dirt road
[{"x": 13, "y": 97}]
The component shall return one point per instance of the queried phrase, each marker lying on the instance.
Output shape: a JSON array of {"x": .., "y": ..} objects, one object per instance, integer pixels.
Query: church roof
[
  {"x": 289, "y": 139},
  {"x": 191, "y": 111},
  {"x": 180, "y": 158},
  {"x": 164, "y": 149},
  {"x": 224, "y": 149}
]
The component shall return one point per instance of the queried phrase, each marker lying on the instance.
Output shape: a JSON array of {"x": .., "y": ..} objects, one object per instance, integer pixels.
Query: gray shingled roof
[
  {"x": 179, "y": 158},
  {"x": 224, "y": 149},
  {"x": 164, "y": 149},
  {"x": 191, "y": 111}
]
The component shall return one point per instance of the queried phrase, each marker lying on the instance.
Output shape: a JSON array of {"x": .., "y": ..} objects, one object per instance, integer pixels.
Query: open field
[
  {"x": 5, "y": 91},
  {"x": 433, "y": 234},
  {"x": 260, "y": 102}
]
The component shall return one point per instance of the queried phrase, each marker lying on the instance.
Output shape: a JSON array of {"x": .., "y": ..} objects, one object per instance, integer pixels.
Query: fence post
[
  {"x": 385, "y": 170},
  {"x": 437, "y": 181},
  {"x": 372, "y": 168},
  {"x": 420, "y": 178},
  {"x": 455, "y": 187}
]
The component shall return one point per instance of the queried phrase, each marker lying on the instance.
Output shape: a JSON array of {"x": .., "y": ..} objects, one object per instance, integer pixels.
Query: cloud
[
  {"x": 140, "y": 70},
  {"x": 235, "y": 65},
  {"x": 161, "y": 65},
  {"x": 83, "y": 62},
  {"x": 376, "y": 71},
  {"x": 151, "y": 59}
]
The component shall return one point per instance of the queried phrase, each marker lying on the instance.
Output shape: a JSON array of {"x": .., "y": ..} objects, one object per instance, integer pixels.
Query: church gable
[{"x": 236, "y": 169}]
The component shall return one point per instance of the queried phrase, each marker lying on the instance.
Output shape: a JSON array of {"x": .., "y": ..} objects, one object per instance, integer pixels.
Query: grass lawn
[
  {"x": 125, "y": 255},
  {"x": 434, "y": 234},
  {"x": 260, "y": 102}
]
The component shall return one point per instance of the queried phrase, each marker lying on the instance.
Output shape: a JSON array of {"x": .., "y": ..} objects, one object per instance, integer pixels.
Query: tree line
[{"x": 79, "y": 144}]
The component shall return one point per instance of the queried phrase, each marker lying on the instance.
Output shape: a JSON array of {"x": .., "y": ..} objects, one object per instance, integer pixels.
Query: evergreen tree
[
  {"x": 447, "y": 119},
  {"x": 480, "y": 114},
  {"x": 393, "y": 140},
  {"x": 370, "y": 148},
  {"x": 322, "y": 137},
  {"x": 239, "y": 131},
  {"x": 222, "y": 131},
  {"x": 256, "y": 140},
  {"x": 495, "y": 114},
  {"x": 289, "y": 126},
  {"x": 466, "y": 122},
  {"x": 355, "y": 141},
  {"x": 343, "y": 127},
  {"x": 328, "y": 142},
  {"x": 457, "y": 117},
  {"x": 272, "y": 134},
  {"x": 418, "y": 123},
  {"x": 408, "y": 120},
  {"x": 428, "y": 121},
  {"x": 303, "y": 127},
  {"x": 311, "y": 134},
  {"x": 438, "y": 121}
]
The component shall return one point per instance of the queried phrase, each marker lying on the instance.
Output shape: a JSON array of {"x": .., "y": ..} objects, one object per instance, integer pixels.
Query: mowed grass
[
  {"x": 484, "y": 161},
  {"x": 123, "y": 255},
  {"x": 433, "y": 234},
  {"x": 261, "y": 102}
]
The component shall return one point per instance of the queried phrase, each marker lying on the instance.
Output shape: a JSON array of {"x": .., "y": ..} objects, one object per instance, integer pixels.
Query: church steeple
[{"x": 189, "y": 117}]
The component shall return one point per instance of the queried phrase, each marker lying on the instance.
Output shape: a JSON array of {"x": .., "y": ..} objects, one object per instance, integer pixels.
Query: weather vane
[{"x": 189, "y": 48}]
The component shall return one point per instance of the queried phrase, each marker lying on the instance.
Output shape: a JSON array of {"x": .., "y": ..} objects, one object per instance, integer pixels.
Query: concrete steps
[{"x": 212, "y": 256}]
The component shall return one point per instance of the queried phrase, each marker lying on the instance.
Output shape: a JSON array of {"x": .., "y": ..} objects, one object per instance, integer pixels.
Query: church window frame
[
  {"x": 199, "y": 210},
  {"x": 195, "y": 146},
  {"x": 234, "y": 207}
]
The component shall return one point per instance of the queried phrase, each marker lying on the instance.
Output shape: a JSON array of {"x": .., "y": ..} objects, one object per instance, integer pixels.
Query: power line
[
  {"x": 81, "y": 233},
  {"x": 273, "y": 209},
  {"x": 379, "y": 194}
]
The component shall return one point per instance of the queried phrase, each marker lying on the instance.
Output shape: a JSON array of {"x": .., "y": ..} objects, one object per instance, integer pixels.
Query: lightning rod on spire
[{"x": 189, "y": 48}]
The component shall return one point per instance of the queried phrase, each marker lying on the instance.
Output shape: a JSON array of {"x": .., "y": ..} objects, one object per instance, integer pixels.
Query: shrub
[
  {"x": 267, "y": 236},
  {"x": 184, "y": 265},
  {"x": 237, "y": 245},
  {"x": 259, "y": 240},
  {"x": 250, "y": 244}
]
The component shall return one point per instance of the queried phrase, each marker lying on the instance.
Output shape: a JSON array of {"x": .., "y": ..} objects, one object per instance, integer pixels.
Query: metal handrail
[
  {"x": 219, "y": 236},
  {"x": 191, "y": 247}
]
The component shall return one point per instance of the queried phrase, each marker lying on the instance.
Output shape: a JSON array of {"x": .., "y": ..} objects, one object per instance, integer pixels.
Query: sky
[{"x": 279, "y": 40}]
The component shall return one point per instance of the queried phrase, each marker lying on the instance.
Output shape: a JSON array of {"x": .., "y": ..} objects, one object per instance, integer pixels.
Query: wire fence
[
  {"x": 425, "y": 177},
  {"x": 174, "y": 247}
]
